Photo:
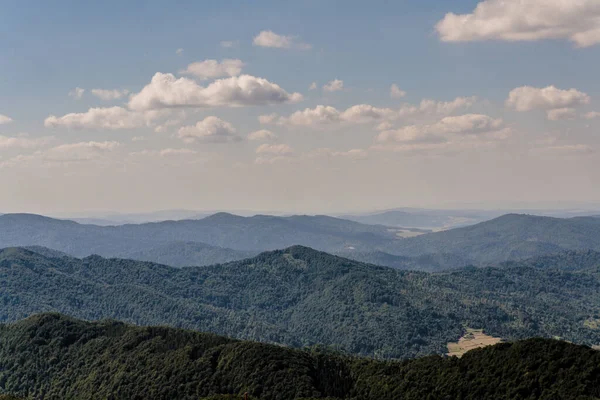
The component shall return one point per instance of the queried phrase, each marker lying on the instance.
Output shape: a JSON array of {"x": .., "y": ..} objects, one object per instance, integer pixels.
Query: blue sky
[{"x": 49, "y": 49}]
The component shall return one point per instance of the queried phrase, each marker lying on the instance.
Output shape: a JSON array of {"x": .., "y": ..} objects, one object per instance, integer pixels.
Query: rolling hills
[
  {"x": 510, "y": 237},
  {"x": 56, "y": 357},
  {"x": 301, "y": 297},
  {"x": 224, "y": 237}
]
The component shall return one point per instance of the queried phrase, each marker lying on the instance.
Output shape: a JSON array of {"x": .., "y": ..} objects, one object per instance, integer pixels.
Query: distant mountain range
[
  {"x": 225, "y": 237},
  {"x": 301, "y": 297},
  {"x": 510, "y": 237},
  {"x": 51, "y": 356}
]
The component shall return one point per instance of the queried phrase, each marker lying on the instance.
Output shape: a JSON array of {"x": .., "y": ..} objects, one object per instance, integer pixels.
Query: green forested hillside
[
  {"x": 301, "y": 297},
  {"x": 55, "y": 357}
]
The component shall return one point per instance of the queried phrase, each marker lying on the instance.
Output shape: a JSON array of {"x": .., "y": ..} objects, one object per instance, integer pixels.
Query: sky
[{"x": 311, "y": 106}]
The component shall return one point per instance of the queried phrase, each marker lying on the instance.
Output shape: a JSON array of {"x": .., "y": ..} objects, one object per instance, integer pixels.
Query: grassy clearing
[
  {"x": 592, "y": 323},
  {"x": 473, "y": 339}
]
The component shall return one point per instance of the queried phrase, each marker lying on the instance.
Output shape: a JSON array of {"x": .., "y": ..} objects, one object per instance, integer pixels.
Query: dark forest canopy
[
  {"x": 55, "y": 357},
  {"x": 301, "y": 297}
]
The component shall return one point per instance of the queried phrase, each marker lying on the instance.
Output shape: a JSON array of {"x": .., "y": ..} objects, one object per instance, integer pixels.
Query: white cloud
[
  {"x": 166, "y": 91},
  {"x": 349, "y": 154},
  {"x": 320, "y": 115},
  {"x": 211, "y": 129},
  {"x": 449, "y": 128},
  {"x": 169, "y": 152},
  {"x": 77, "y": 93},
  {"x": 5, "y": 119},
  {"x": 138, "y": 139},
  {"x": 179, "y": 52},
  {"x": 396, "y": 92},
  {"x": 24, "y": 141},
  {"x": 262, "y": 134},
  {"x": 525, "y": 20},
  {"x": 267, "y": 119},
  {"x": 228, "y": 44},
  {"x": 384, "y": 126},
  {"x": 74, "y": 152},
  {"x": 210, "y": 69},
  {"x": 273, "y": 40},
  {"x": 562, "y": 113},
  {"x": 108, "y": 94},
  {"x": 313, "y": 86},
  {"x": 527, "y": 98},
  {"x": 364, "y": 113},
  {"x": 274, "y": 149},
  {"x": 592, "y": 115},
  {"x": 334, "y": 86},
  {"x": 104, "y": 118},
  {"x": 439, "y": 107}
]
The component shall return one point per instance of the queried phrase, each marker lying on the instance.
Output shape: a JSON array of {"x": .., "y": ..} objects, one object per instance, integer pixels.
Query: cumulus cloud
[
  {"x": 592, "y": 115},
  {"x": 323, "y": 115},
  {"x": 349, "y": 154},
  {"x": 527, "y": 98},
  {"x": 104, "y": 118},
  {"x": 179, "y": 52},
  {"x": 24, "y": 141},
  {"x": 562, "y": 113},
  {"x": 77, "y": 93},
  {"x": 362, "y": 113},
  {"x": 267, "y": 119},
  {"x": 210, "y": 69},
  {"x": 108, "y": 94},
  {"x": 396, "y": 92},
  {"x": 262, "y": 134},
  {"x": 5, "y": 119},
  {"x": 211, "y": 130},
  {"x": 273, "y": 40},
  {"x": 449, "y": 128},
  {"x": 163, "y": 153},
  {"x": 274, "y": 149},
  {"x": 75, "y": 152},
  {"x": 313, "y": 86},
  {"x": 525, "y": 20},
  {"x": 334, "y": 86},
  {"x": 166, "y": 91},
  {"x": 228, "y": 44}
]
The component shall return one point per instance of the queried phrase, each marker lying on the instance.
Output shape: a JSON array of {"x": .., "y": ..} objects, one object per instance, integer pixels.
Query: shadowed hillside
[{"x": 55, "y": 357}]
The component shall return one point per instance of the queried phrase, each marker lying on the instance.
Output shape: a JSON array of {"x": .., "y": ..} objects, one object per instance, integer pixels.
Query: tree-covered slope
[
  {"x": 55, "y": 357},
  {"x": 184, "y": 254},
  {"x": 261, "y": 232},
  {"x": 509, "y": 237},
  {"x": 302, "y": 297}
]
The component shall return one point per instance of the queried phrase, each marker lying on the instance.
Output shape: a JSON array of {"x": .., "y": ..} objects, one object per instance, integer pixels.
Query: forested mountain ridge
[
  {"x": 225, "y": 237},
  {"x": 55, "y": 357},
  {"x": 301, "y": 297},
  {"x": 510, "y": 237},
  {"x": 246, "y": 234}
]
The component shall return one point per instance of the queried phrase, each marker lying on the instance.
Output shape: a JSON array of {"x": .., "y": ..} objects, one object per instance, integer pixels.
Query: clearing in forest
[{"x": 473, "y": 339}]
